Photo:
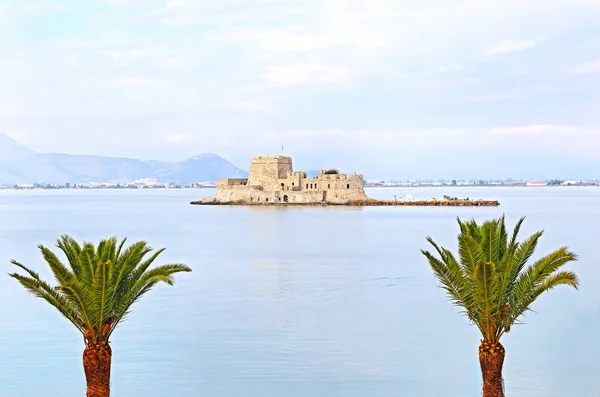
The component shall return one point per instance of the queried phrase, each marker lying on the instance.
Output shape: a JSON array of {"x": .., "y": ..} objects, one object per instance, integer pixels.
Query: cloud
[
  {"x": 140, "y": 81},
  {"x": 251, "y": 106},
  {"x": 309, "y": 72},
  {"x": 571, "y": 139},
  {"x": 126, "y": 54},
  {"x": 535, "y": 130},
  {"x": 176, "y": 138},
  {"x": 591, "y": 67},
  {"x": 509, "y": 46},
  {"x": 367, "y": 76}
]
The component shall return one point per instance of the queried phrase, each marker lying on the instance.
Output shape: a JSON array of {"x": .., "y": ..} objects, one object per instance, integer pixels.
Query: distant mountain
[
  {"x": 25, "y": 166},
  {"x": 10, "y": 150}
]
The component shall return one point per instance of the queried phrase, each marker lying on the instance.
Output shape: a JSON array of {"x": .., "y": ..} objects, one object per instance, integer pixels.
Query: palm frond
[
  {"x": 486, "y": 290},
  {"x": 101, "y": 282},
  {"x": 492, "y": 280},
  {"x": 44, "y": 291},
  {"x": 150, "y": 278},
  {"x": 61, "y": 273}
]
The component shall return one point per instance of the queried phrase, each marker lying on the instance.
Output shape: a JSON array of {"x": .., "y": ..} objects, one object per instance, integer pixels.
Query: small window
[
  {"x": 282, "y": 185},
  {"x": 311, "y": 185},
  {"x": 307, "y": 185},
  {"x": 348, "y": 186},
  {"x": 266, "y": 199},
  {"x": 292, "y": 183},
  {"x": 251, "y": 198},
  {"x": 328, "y": 186},
  {"x": 315, "y": 186}
]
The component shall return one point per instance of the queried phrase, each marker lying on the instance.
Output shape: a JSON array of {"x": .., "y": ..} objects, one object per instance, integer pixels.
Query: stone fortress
[{"x": 273, "y": 181}]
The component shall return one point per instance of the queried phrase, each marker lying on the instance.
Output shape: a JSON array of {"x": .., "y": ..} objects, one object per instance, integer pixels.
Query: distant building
[{"x": 536, "y": 183}]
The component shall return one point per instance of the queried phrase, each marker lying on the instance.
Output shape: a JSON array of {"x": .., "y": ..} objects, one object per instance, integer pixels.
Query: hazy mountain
[
  {"x": 25, "y": 166},
  {"x": 11, "y": 150},
  {"x": 18, "y": 164}
]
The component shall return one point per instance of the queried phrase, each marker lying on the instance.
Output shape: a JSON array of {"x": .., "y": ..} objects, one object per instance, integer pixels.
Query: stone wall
[
  {"x": 223, "y": 183},
  {"x": 251, "y": 194}
]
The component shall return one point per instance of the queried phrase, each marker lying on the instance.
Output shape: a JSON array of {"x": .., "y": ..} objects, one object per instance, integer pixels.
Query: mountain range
[{"x": 21, "y": 165}]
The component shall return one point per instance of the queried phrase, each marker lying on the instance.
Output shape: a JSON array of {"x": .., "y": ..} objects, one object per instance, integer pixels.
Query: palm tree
[
  {"x": 492, "y": 281},
  {"x": 95, "y": 293}
]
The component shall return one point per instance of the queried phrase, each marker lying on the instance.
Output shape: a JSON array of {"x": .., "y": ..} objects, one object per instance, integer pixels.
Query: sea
[{"x": 298, "y": 301}]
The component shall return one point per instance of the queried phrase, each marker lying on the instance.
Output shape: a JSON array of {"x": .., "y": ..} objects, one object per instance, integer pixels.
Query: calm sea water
[{"x": 297, "y": 301}]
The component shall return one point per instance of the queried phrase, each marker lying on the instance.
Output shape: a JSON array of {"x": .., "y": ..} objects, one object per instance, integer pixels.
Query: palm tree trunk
[
  {"x": 96, "y": 364},
  {"x": 491, "y": 359}
]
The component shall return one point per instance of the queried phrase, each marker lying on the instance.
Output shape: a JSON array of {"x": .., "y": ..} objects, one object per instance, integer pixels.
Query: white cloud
[
  {"x": 387, "y": 65},
  {"x": 176, "y": 138},
  {"x": 309, "y": 72},
  {"x": 572, "y": 139},
  {"x": 543, "y": 130},
  {"x": 509, "y": 46},
  {"x": 251, "y": 106},
  {"x": 591, "y": 67},
  {"x": 126, "y": 54},
  {"x": 140, "y": 81}
]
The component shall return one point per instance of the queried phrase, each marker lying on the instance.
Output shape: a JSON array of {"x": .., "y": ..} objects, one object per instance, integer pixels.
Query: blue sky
[{"x": 378, "y": 85}]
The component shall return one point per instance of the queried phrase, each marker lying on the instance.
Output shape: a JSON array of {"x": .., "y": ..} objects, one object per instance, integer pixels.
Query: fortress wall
[
  {"x": 267, "y": 170},
  {"x": 292, "y": 182},
  {"x": 340, "y": 196},
  {"x": 251, "y": 194},
  {"x": 343, "y": 187},
  {"x": 224, "y": 182}
]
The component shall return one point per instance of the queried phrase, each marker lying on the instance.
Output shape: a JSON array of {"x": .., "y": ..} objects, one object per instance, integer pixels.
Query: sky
[{"x": 381, "y": 86}]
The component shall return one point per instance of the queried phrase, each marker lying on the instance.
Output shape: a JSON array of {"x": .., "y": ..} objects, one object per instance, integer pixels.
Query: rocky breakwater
[{"x": 445, "y": 201}]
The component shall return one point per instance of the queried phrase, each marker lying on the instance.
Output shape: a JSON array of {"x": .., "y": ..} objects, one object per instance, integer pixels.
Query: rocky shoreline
[{"x": 435, "y": 202}]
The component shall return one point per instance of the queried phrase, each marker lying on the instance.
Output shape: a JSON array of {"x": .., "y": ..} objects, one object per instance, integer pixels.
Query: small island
[{"x": 273, "y": 181}]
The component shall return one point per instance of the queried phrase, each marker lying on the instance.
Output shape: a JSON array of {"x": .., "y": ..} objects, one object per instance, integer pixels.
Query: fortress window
[
  {"x": 315, "y": 186},
  {"x": 282, "y": 185},
  {"x": 292, "y": 183},
  {"x": 266, "y": 199},
  {"x": 307, "y": 185},
  {"x": 328, "y": 186},
  {"x": 348, "y": 186}
]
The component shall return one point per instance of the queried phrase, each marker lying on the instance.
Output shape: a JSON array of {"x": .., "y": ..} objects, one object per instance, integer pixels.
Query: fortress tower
[{"x": 266, "y": 171}]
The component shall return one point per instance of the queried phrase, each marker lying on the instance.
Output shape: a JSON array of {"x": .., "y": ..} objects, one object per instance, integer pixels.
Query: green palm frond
[
  {"x": 492, "y": 280},
  {"x": 97, "y": 288}
]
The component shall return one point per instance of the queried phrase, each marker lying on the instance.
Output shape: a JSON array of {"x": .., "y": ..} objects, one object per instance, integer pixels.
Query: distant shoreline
[{"x": 369, "y": 187}]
